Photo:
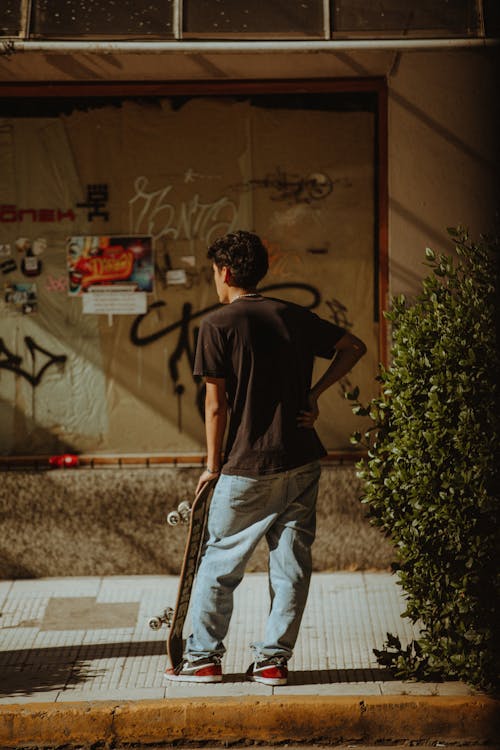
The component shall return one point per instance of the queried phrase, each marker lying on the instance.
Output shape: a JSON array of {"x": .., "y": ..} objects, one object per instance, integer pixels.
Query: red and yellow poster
[{"x": 109, "y": 261}]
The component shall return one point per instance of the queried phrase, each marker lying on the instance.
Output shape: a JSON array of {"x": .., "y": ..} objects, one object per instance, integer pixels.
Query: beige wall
[
  {"x": 443, "y": 155},
  {"x": 443, "y": 122},
  {"x": 443, "y": 148}
]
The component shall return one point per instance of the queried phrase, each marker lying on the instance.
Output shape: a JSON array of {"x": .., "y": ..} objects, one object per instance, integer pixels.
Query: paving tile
[
  {"x": 16, "y": 645},
  {"x": 82, "y": 613},
  {"x": 34, "y": 679},
  {"x": 85, "y": 586},
  {"x": 216, "y": 690},
  {"x": 143, "y": 672},
  {"x": 5, "y": 587},
  {"x": 22, "y": 611},
  {"x": 353, "y": 688},
  {"x": 111, "y": 694},
  {"x": 251, "y": 605},
  {"x": 455, "y": 688},
  {"x": 48, "y": 697},
  {"x": 158, "y": 591},
  {"x": 408, "y": 688},
  {"x": 347, "y": 615},
  {"x": 54, "y": 646}
]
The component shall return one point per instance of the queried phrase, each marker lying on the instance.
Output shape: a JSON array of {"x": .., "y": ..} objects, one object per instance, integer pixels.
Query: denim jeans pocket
[{"x": 248, "y": 495}]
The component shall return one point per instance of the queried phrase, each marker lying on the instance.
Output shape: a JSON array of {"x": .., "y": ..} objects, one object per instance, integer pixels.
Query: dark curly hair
[{"x": 245, "y": 256}]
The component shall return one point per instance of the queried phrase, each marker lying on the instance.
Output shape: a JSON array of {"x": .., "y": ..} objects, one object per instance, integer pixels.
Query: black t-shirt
[{"x": 265, "y": 350}]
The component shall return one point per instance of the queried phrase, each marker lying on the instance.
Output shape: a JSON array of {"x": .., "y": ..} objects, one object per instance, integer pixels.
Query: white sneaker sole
[
  {"x": 191, "y": 678},
  {"x": 269, "y": 680}
]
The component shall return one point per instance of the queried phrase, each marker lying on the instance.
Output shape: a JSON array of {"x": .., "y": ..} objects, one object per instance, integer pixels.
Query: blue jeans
[{"x": 283, "y": 508}]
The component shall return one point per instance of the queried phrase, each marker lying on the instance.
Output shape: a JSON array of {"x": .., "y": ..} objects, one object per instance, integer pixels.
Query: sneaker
[
  {"x": 272, "y": 671},
  {"x": 201, "y": 670}
]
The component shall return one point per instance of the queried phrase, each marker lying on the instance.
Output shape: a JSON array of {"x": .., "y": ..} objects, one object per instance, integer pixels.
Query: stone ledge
[{"x": 273, "y": 719}]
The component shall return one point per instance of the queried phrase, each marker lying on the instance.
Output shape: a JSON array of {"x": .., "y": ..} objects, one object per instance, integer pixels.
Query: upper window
[
  {"x": 10, "y": 18},
  {"x": 244, "y": 18},
  {"x": 107, "y": 19},
  {"x": 405, "y": 17},
  {"x": 491, "y": 9}
]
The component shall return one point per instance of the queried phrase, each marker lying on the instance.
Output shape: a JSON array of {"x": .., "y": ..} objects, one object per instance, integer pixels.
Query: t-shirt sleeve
[
  {"x": 324, "y": 336},
  {"x": 210, "y": 357}
]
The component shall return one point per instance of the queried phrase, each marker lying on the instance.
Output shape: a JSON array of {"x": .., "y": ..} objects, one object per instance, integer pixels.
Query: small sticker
[
  {"x": 21, "y": 298},
  {"x": 177, "y": 276},
  {"x": 7, "y": 266}
]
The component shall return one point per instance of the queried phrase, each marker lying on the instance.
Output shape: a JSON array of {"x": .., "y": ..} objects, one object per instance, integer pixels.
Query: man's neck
[{"x": 236, "y": 292}]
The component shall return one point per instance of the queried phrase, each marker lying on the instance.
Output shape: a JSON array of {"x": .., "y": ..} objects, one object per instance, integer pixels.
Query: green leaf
[{"x": 429, "y": 482}]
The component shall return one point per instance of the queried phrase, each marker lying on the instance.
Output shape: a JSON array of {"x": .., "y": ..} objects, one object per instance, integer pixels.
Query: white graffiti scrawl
[{"x": 154, "y": 213}]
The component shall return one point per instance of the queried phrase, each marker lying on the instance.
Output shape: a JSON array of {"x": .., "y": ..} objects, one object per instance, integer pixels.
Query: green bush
[{"x": 431, "y": 477}]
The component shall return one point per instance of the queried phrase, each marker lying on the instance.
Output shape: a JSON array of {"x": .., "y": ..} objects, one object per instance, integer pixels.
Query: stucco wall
[
  {"x": 113, "y": 522},
  {"x": 443, "y": 154}
]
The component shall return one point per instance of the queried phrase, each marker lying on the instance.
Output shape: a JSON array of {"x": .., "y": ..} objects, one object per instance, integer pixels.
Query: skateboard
[{"x": 174, "y": 618}]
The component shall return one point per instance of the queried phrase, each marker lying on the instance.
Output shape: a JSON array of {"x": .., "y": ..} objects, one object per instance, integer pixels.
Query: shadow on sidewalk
[
  {"x": 40, "y": 670},
  {"x": 43, "y": 670},
  {"x": 326, "y": 676}
]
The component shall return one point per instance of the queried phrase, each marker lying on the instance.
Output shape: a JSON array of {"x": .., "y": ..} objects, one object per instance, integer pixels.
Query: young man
[{"x": 257, "y": 355}]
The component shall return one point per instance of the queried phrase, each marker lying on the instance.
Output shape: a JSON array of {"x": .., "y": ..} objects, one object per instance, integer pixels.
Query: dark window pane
[
  {"x": 10, "y": 17},
  {"x": 102, "y": 18},
  {"x": 231, "y": 18},
  {"x": 405, "y": 16},
  {"x": 492, "y": 17}
]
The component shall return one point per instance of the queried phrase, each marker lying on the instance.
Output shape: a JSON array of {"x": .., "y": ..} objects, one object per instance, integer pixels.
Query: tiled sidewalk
[{"x": 88, "y": 639}]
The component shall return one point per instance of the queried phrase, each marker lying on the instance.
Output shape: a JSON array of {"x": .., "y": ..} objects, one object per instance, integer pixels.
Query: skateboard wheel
[
  {"x": 184, "y": 507},
  {"x": 173, "y": 518},
  {"x": 155, "y": 623}
]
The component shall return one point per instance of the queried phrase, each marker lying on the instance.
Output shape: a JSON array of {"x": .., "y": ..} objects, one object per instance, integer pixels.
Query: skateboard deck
[{"x": 192, "y": 552}]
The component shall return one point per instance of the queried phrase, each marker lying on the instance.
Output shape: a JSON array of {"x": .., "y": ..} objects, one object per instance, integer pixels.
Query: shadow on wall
[
  {"x": 23, "y": 435},
  {"x": 101, "y": 522}
]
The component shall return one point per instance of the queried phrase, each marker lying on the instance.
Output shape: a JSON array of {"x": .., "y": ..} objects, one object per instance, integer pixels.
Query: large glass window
[
  {"x": 243, "y": 18},
  {"x": 405, "y": 17},
  {"x": 102, "y": 18}
]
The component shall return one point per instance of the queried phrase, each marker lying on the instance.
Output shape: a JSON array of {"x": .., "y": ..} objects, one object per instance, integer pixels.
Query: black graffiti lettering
[
  {"x": 294, "y": 188},
  {"x": 184, "y": 344},
  {"x": 13, "y": 363},
  {"x": 339, "y": 313},
  {"x": 138, "y": 340},
  {"x": 184, "y": 347}
]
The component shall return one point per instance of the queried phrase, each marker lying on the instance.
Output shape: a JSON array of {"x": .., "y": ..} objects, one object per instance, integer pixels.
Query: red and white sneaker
[
  {"x": 272, "y": 671},
  {"x": 201, "y": 670}
]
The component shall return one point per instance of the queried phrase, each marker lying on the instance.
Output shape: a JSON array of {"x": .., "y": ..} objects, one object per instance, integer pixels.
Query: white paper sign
[
  {"x": 115, "y": 303},
  {"x": 178, "y": 276}
]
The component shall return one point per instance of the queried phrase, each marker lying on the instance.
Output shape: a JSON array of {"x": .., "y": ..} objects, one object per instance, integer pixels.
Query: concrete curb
[{"x": 265, "y": 719}]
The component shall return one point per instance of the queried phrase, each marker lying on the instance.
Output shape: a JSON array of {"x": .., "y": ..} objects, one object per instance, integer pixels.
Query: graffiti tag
[
  {"x": 186, "y": 343},
  {"x": 151, "y": 213},
  {"x": 292, "y": 187},
  {"x": 13, "y": 362}
]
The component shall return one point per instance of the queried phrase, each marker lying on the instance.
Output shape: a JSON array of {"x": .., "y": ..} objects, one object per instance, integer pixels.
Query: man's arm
[
  {"x": 215, "y": 427},
  {"x": 350, "y": 349}
]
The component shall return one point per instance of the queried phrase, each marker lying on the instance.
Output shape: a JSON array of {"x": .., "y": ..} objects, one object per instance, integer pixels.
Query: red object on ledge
[{"x": 65, "y": 461}]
